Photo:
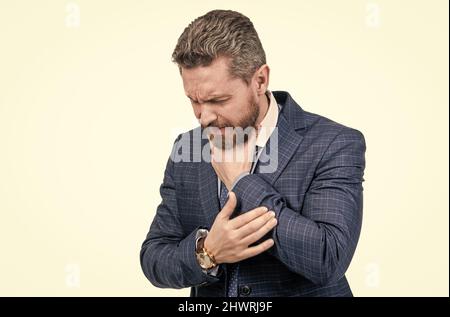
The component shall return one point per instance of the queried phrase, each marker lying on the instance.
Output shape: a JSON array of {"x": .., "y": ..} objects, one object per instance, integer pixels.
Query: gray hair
[{"x": 221, "y": 33}]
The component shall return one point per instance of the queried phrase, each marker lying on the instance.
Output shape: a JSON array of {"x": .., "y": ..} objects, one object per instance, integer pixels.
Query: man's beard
[{"x": 234, "y": 135}]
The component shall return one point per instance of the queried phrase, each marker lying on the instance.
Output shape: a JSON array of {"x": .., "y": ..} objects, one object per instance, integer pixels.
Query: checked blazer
[{"x": 317, "y": 195}]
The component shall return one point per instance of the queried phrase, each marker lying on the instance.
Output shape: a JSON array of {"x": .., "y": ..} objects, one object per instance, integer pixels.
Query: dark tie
[{"x": 233, "y": 268}]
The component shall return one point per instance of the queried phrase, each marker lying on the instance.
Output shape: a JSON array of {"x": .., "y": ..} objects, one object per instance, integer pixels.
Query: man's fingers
[
  {"x": 255, "y": 224},
  {"x": 255, "y": 236},
  {"x": 247, "y": 217},
  {"x": 257, "y": 249},
  {"x": 230, "y": 205}
]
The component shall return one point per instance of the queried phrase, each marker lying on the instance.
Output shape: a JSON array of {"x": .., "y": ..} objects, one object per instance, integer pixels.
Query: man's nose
[{"x": 206, "y": 116}]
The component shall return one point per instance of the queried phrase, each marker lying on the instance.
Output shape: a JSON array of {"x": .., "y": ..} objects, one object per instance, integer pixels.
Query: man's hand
[
  {"x": 230, "y": 163},
  {"x": 229, "y": 240}
]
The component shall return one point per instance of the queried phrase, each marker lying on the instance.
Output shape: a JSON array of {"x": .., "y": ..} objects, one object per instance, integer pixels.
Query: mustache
[
  {"x": 215, "y": 124},
  {"x": 218, "y": 126}
]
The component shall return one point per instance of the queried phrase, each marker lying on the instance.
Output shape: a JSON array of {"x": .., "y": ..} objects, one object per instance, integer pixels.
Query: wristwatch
[{"x": 204, "y": 258}]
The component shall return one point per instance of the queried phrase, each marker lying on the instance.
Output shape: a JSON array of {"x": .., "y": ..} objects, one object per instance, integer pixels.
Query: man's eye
[{"x": 218, "y": 102}]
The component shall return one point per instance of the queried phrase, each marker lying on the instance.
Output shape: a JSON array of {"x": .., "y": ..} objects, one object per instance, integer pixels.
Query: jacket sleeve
[
  {"x": 167, "y": 255},
  {"x": 317, "y": 242}
]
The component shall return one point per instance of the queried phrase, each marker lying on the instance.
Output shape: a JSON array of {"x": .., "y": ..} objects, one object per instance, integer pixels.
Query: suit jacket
[{"x": 317, "y": 195}]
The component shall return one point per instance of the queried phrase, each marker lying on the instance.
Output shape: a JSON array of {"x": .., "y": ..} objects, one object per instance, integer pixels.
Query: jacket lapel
[
  {"x": 285, "y": 140},
  {"x": 280, "y": 148}
]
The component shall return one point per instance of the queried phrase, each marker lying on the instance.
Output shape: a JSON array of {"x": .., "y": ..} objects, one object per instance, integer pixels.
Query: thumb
[{"x": 230, "y": 205}]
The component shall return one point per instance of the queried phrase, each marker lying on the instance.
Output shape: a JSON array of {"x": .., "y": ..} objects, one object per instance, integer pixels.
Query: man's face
[{"x": 220, "y": 102}]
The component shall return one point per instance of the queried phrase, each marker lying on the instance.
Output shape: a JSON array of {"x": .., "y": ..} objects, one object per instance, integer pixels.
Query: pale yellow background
[{"x": 88, "y": 115}]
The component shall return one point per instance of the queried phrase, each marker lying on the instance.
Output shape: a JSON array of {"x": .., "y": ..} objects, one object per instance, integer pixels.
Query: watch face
[
  {"x": 208, "y": 262},
  {"x": 205, "y": 261}
]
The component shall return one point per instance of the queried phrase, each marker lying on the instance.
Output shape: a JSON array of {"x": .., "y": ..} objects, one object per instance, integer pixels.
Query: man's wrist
[{"x": 204, "y": 258}]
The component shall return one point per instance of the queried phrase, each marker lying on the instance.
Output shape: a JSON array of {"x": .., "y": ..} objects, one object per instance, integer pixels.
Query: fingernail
[{"x": 272, "y": 214}]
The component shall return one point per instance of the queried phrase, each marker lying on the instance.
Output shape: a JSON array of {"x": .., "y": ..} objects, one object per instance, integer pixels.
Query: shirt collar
[{"x": 269, "y": 122}]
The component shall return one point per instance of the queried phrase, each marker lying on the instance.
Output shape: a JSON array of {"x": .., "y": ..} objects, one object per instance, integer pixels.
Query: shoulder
[{"x": 328, "y": 129}]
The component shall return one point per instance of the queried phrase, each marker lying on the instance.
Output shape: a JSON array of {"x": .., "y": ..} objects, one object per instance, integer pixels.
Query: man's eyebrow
[{"x": 213, "y": 97}]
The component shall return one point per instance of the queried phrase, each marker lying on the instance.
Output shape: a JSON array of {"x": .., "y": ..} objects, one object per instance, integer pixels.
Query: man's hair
[{"x": 220, "y": 33}]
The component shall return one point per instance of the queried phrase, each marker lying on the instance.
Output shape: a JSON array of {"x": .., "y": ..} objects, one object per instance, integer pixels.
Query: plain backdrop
[{"x": 90, "y": 103}]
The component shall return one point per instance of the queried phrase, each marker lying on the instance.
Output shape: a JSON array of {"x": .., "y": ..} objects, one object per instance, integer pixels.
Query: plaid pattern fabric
[{"x": 316, "y": 192}]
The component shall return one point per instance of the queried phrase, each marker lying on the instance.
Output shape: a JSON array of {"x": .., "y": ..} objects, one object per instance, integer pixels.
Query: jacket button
[{"x": 245, "y": 290}]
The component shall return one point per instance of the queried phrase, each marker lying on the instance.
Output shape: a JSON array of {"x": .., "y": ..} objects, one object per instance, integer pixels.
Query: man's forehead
[{"x": 207, "y": 81}]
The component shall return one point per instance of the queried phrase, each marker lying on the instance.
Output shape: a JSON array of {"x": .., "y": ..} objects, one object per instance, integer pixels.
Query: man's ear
[{"x": 262, "y": 79}]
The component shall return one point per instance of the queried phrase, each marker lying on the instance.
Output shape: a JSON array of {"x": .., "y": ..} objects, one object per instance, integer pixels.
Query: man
[{"x": 284, "y": 220}]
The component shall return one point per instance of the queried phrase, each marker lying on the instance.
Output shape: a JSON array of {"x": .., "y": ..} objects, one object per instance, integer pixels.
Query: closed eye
[
  {"x": 211, "y": 101},
  {"x": 218, "y": 102}
]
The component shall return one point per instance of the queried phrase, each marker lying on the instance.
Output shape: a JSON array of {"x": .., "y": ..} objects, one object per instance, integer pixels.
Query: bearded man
[{"x": 264, "y": 198}]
